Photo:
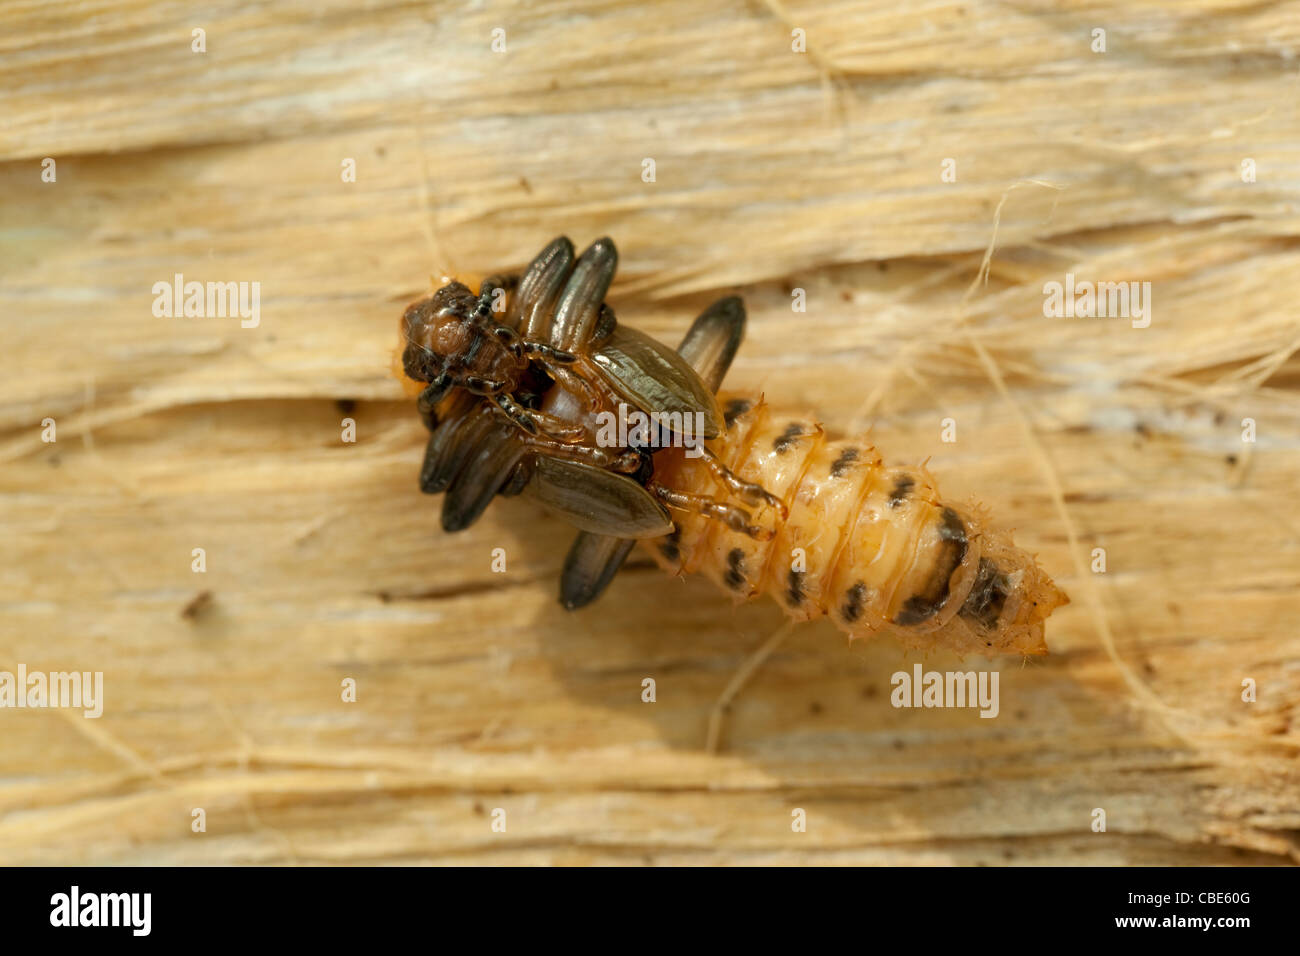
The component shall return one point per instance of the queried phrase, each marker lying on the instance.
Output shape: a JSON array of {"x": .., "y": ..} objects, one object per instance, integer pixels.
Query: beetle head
[{"x": 436, "y": 329}]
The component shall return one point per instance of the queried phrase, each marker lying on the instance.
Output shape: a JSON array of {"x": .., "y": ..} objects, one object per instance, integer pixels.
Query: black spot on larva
[
  {"x": 840, "y": 465},
  {"x": 948, "y": 557},
  {"x": 951, "y": 529},
  {"x": 854, "y": 600},
  {"x": 902, "y": 488},
  {"x": 735, "y": 569},
  {"x": 669, "y": 547},
  {"x": 794, "y": 588},
  {"x": 785, "y": 441},
  {"x": 735, "y": 408},
  {"x": 987, "y": 596},
  {"x": 914, "y": 611}
]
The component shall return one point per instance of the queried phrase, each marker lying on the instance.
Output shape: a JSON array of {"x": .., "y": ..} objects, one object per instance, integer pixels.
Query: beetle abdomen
[{"x": 872, "y": 547}]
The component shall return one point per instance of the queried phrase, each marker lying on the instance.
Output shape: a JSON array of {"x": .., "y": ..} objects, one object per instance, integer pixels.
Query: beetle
[{"x": 554, "y": 360}]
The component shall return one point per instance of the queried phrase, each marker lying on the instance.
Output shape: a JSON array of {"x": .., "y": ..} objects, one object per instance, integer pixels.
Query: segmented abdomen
[{"x": 872, "y": 547}]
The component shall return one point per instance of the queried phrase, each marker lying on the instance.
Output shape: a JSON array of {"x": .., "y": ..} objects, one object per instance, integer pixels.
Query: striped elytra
[{"x": 872, "y": 547}]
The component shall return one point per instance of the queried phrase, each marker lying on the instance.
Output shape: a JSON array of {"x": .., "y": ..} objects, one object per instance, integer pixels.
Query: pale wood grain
[{"x": 774, "y": 171}]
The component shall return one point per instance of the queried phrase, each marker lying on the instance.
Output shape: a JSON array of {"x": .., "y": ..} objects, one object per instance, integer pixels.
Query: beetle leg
[
  {"x": 488, "y": 292},
  {"x": 625, "y": 462},
  {"x": 575, "y": 382},
  {"x": 521, "y": 348},
  {"x": 539, "y": 423},
  {"x": 549, "y": 353},
  {"x": 737, "y": 519},
  {"x": 483, "y": 386},
  {"x": 517, "y": 414},
  {"x": 569, "y": 433},
  {"x": 431, "y": 396},
  {"x": 511, "y": 340},
  {"x": 745, "y": 490}
]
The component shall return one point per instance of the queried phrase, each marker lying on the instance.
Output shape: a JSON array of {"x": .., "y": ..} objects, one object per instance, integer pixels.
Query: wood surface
[{"x": 774, "y": 171}]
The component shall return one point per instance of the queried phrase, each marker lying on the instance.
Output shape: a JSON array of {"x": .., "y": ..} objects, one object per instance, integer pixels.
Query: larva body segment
[{"x": 873, "y": 547}]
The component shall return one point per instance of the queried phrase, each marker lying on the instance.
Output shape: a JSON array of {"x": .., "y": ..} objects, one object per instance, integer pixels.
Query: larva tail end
[
  {"x": 1042, "y": 599},
  {"x": 1020, "y": 595}
]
